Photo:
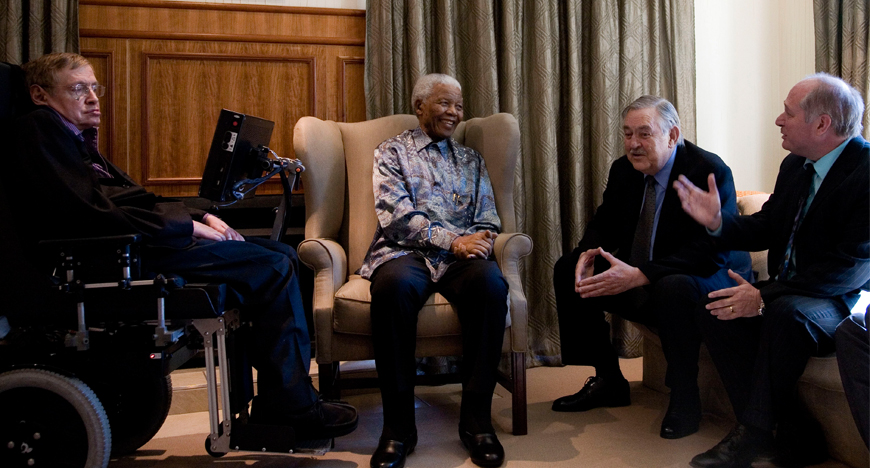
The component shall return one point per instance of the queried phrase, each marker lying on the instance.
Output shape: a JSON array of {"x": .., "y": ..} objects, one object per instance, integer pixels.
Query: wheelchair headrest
[{"x": 14, "y": 95}]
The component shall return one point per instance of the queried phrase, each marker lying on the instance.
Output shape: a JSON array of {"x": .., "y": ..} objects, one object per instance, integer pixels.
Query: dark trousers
[
  {"x": 261, "y": 275},
  {"x": 667, "y": 304},
  {"x": 760, "y": 359},
  {"x": 853, "y": 357},
  {"x": 399, "y": 288}
]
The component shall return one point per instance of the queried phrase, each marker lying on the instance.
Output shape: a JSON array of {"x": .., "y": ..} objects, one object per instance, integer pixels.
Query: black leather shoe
[
  {"x": 322, "y": 420},
  {"x": 681, "y": 419},
  {"x": 737, "y": 450},
  {"x": 392, "y": 453},
  {"x": 595, "y": 393},
  {"x": 485, "y": 449}
]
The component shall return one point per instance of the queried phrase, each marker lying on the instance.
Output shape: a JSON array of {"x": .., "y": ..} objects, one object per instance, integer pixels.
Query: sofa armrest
[{"x": 509, "y": 248}]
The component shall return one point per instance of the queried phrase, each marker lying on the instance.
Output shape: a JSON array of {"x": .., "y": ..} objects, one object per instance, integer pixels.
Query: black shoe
[
  {"x": 322, "y": 420},
  {"x": 485, "y": 449},
  {"x": 392, "y": 453},
  {"x": 595, "y": 393},
  {"x": 737, "y": 450},
  {"x": 682, "y": 418}
]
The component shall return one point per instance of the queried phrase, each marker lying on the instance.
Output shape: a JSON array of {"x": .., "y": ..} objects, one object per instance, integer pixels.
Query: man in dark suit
[
  {"x": 643, "y": 258},
  {"x": 69, "y": 190},
  {"x": 817, "y": 227}
]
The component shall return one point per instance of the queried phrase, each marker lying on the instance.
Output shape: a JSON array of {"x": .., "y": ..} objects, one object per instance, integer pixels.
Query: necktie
[
  {"x": 90, "y": 138},
  {"x": 643, "y": 233},
  {"x": 786, "y": 269}
]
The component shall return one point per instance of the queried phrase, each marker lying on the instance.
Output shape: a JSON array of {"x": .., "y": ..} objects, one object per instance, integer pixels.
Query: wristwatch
[{"x": 761, "y": 308}]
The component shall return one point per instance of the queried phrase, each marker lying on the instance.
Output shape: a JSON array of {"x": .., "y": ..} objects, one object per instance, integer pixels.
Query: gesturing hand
[
  {"x": 703, "y": 207},
  {"x": 738, "y": 301},
  {"x": 620, "y": 277},
  {"x": 585, "y": 267}
]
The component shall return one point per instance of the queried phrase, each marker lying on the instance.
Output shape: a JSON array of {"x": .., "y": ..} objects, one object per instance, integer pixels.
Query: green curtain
[
  {"x": 842, "y": 34},
  {"x": 565, "y": 69},
  {"x": 31, "y": 28}
]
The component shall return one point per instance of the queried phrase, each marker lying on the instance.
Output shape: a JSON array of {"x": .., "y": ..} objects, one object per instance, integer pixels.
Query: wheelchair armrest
[{"x": 109, "y": 242}]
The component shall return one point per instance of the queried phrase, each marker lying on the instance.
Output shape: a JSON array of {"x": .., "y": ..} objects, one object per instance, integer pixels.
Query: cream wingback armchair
[{"x": 340, "y": 222}]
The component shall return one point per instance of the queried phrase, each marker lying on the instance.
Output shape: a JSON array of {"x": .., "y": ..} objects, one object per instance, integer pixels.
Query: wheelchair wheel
[
  {"x": 48, "y": 419},
  {"x": 137, "y": 406}
]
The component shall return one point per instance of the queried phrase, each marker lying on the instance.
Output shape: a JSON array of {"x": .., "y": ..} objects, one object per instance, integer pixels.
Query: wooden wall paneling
[
  {"x": 353, "y": 102},
  {"x": 177, "y": 64},
  {"x": 175, "y": 120}
]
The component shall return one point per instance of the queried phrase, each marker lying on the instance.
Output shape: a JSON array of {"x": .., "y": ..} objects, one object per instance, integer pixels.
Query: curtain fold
[
  {"x": 842, "y": 29},
  {"x": 31, "y": 28},
  {"x": 565, "y": 70}
]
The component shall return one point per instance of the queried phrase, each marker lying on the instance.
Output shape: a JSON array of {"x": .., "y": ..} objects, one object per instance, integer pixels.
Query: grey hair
[
  {"x": 668, "y": 117},
  {"x": 423, "y": 87},
  {"x": 836, "y": 98}
]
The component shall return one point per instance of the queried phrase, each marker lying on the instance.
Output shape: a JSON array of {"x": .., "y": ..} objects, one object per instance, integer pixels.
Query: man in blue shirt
[{"x": 816, "y": 226}]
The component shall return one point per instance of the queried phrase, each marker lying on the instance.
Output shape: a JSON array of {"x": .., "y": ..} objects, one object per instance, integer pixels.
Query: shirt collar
[
  {"x": 664, "y": 174},
  {"x": 422, "y": 141},
  {"x": 824, "y": 164}
]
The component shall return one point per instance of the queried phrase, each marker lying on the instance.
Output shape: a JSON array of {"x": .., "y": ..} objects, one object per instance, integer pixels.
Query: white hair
[{"x": 423, "y": 87}]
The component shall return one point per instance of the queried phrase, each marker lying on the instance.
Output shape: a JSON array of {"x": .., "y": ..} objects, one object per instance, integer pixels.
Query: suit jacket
[
  {"x": 53, "y": 187},
  {"x": 682, "y": 246},
  {"x": 833, "y": 242}
]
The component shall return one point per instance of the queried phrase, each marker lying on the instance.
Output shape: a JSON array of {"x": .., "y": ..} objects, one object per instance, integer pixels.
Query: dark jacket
[
  {"x": 833, "y": 242},
  {"x": 682, "y": 246}
]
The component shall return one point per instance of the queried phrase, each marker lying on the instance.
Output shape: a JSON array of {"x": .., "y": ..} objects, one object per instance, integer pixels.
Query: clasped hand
[
  {"x": 215, "y": 229},
  {"x": 738, "y": 301},
  {"x": 477, "y": 245},
  {"x": 620, "y": 277}
]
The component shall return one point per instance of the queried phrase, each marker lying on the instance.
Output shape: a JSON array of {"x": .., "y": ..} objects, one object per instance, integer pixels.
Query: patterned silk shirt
[{"x": 426, "y": 195}]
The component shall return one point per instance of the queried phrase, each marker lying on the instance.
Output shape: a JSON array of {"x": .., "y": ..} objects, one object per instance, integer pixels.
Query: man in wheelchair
[{"x": 70, "y": 191}]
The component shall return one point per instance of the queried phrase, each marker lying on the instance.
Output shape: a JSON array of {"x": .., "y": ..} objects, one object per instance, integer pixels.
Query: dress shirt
[
  {"x": 426, "y": 195},
  {"x": 661, "y": 178}
]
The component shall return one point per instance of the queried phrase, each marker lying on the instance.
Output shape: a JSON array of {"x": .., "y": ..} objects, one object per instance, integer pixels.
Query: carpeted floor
[{"x": 604, "y": 437}]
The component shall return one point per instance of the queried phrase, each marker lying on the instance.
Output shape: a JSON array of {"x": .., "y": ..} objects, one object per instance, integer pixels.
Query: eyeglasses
[{"x": 80, "y": 90}]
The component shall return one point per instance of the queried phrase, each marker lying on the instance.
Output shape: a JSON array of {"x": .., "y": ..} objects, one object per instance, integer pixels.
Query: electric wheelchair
[{"x": 88, "y": 342}]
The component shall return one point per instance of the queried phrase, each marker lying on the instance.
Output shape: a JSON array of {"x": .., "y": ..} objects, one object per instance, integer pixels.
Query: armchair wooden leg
[
  {"x": 518, "y": 393},
  {"x": 328, "y": 374}
]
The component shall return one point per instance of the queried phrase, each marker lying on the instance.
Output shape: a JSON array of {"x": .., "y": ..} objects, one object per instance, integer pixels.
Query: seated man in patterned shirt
[{"x": 436, "y": 227}]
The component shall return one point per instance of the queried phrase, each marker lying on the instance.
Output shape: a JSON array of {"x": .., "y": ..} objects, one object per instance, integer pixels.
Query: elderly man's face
[
  {"x": 83, "y": 112},
  {"x": 646, "y": 145},
  {"x": 441, "y": 112},
  {"x": 798, "y": 134}
]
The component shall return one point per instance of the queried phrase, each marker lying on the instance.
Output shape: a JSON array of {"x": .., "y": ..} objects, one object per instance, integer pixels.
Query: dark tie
[
  {"x": 643, "y": 234},
  {"x": 786, "y": 268},
  {"x": 90, "y": 138}
]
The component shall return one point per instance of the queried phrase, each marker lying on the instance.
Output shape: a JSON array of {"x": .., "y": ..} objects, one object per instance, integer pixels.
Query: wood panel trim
[
  {"x": 146, "y": 103},
  {"x": 226, "y": 7},
  {"x": 111, "y": 84},
  {"x": 343, "y": 62},
  {"x": 132, "y": 34}
]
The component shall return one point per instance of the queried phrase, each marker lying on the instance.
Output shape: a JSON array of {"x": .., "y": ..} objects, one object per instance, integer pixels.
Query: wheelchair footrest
[{"x": 275, "y": 439}]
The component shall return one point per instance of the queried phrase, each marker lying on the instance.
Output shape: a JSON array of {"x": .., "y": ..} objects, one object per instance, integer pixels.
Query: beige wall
[{"x": 749, "y": 53}]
